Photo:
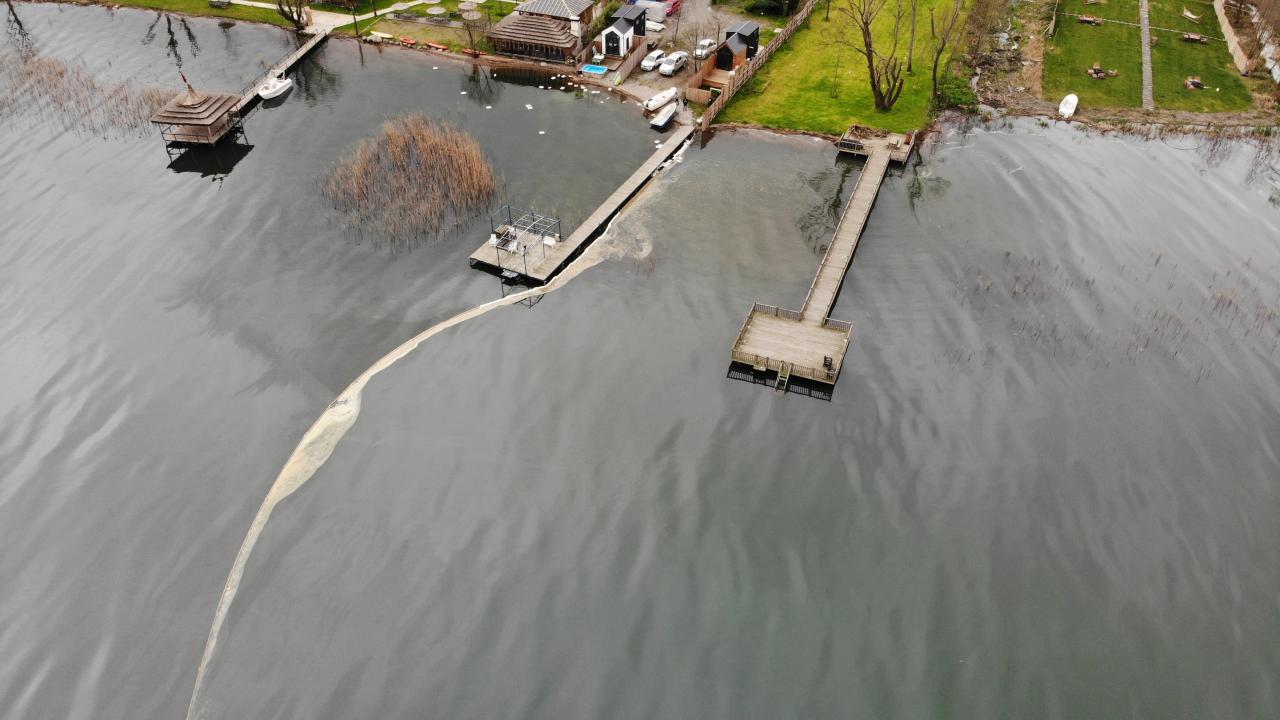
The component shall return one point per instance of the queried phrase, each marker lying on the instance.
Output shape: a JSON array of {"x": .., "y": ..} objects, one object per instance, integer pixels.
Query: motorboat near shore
[
  {"x": 661, "y": 99},
  {"x": 274, "y": 87},
  {"x": 663, "y": 118},
  {"x": 1067, "y": 107}
]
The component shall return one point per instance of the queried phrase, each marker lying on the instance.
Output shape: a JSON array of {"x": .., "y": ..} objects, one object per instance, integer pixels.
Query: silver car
[
  {"x": 673, "y": 63},
  {"x": 704, "y": 48},
  {"x": 651, "y": 60}
]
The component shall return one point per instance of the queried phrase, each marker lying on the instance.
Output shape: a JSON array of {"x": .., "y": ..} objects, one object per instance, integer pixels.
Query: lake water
[{"x": 1046, "y": 485}]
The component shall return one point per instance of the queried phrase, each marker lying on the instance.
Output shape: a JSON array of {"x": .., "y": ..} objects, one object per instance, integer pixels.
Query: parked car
[
  {"x": 654, "y": 27},
  {"x": 651, "y": 60},
  {"x": 673, "y": 7},
  {"x": 704, "y": 48},
  {"x": 673, "y": 63}
]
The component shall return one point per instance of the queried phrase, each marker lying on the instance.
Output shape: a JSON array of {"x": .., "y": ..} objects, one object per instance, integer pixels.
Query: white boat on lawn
[
  {"x": 661, "y": 99},
  {"x": 660, "y": 120},
  {"x": 1067, "y": 107},
  {"x": 274, "y": 86}
]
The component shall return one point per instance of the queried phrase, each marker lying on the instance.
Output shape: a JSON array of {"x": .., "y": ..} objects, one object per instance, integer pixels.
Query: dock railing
[
  {"x": 759, "y": 361},
  {"x": 763, "y": 309}
]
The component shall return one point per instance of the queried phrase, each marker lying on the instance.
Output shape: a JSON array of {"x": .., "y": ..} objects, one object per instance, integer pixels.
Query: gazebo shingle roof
[
  {"x": 534, "y": 30},
  {"x": 195, "y": 108},
  {"x": 567, "y": 9}
]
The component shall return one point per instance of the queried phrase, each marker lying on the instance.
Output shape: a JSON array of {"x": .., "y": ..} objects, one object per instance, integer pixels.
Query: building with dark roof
[
  {"x": 624, "y": 32},
  {"x": 740, "y": 44}
]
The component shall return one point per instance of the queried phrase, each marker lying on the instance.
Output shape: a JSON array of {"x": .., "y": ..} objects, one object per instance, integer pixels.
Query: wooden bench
[{"x": 220, "y": 4}]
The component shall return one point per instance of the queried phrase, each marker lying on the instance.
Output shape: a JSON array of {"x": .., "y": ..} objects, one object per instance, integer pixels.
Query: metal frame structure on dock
[
  {"x": 540, "y": 267},
  {"x": 808, "y": 343}
]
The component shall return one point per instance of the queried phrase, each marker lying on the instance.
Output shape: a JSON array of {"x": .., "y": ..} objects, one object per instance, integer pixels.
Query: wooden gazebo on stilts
[{"x": 198, "y": 118}]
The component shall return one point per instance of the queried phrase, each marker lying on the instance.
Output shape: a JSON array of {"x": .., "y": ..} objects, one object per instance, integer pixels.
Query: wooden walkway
[
  {"x": 808, "y": 343},
  {"x": 539, "y": 264},
  {"x": 250, "y": 94},
  {"x": 835, "y": 263}
]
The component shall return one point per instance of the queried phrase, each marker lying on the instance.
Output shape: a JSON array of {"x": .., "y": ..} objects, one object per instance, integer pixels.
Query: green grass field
[
  {"x": 794, "y": 90},
  {"x": 1077, "y": 46},
  {"x": 1172, "y": 60},
  {"x": 202, "y": 7}
]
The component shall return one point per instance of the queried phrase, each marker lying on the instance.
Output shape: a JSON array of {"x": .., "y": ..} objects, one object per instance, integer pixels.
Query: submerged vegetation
[
  {"x": 417, "y": 178},
  {"x": 72, "y": 96}
]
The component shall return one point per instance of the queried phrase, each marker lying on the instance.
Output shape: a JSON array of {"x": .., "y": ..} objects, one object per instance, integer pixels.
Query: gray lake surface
[{"x": 1047, "y": 484}]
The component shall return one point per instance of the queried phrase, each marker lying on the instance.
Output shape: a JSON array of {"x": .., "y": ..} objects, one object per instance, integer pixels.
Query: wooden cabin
[
  {"x": 625, "y": 32},
  {"x": 740, "y": 45}
]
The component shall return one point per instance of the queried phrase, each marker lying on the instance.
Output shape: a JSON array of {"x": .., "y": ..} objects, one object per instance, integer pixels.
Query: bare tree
[
  {"x": 474, "y": 23},
  {"x": 942, "y": 37},
  {"x": 911, "y": 46},
  {"x": 295, "y": 11},
  {"x": 884, "y": 69}
]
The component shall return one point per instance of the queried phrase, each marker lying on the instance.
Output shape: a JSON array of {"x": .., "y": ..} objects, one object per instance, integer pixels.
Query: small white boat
[
  {"x": 660, "y": 120},
  {"x": 661, "y": 99},
  {"x": 1067, "y": 107},
  {"x": 274, "y": 87}
]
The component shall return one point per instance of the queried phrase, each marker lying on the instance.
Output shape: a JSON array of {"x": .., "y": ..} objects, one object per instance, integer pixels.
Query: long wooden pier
[
  {"x": 250, "y": 94},
  {"x": 541, "y": 263},
  {"x": 809, "y": 343}
]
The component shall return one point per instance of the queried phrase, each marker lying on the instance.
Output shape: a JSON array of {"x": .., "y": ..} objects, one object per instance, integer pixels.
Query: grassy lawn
[
  {"x": 739, "y": 7},
  {"x": 1172, "y": 60},
  {"x": 1077, "y": 46},
  {"x": 794, "y": 89},
  {"x": 202, "y": 7},
  {"x": 454, "y": 38}
]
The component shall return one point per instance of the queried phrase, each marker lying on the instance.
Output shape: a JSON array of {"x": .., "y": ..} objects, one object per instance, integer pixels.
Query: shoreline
[{"x": 1255, "y": 123}]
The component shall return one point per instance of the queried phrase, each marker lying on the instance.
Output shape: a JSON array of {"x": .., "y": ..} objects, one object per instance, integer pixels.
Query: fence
[
  {"x": 629, "y": 64},
  {"x": 1233, "y": 43},
  {"x": 744, "y": 73}
]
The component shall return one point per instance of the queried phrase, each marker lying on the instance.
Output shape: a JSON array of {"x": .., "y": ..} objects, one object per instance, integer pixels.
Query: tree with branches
[
  {"x": 295, "y": 11},
  {"x": 941, "y": 33},
  {"x": 885, "y": 70}
]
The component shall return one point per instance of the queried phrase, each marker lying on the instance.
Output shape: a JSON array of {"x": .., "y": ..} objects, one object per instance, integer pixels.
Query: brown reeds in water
[
  {"x": 42, "y": 89},
  {"x": 417, "y": 178}
]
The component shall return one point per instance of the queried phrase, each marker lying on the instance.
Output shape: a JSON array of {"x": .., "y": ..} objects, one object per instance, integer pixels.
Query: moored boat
[
  {"x": 661, "y": 99},
  {"x": 661, "y": 120},
  {"x": 274, "y": 86},
  {"x": 1067, "y": 107}
]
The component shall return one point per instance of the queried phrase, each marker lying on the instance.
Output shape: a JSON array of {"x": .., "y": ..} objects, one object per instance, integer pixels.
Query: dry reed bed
[
  {"x": 416, "y": 178},
  {"x": 48, "y": 89}
]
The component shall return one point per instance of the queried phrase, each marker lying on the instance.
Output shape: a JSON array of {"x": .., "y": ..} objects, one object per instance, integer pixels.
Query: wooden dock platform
[
  {"x": 542, "y": 263},
  {"x": 808, "y": 343},
  {"x": 249, "y": 95}
]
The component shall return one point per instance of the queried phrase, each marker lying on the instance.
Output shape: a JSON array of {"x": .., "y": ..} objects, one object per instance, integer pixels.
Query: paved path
[
  {"x": 325, "y": 20},
  {"x": 1148, "y": 94}
]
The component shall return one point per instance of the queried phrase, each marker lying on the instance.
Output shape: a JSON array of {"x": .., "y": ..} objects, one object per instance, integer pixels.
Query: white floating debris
[
  {"x": 542, "y": 132},
  {"x": 435, "y": 67},
  {"x": 528, "y": 107},
  {"x": 464, "y": 92},
  {"x": 488, "y": 107}
]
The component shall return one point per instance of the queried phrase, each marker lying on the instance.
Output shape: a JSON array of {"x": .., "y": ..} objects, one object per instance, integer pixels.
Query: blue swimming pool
[{"x": 595, "y": 70}]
